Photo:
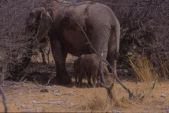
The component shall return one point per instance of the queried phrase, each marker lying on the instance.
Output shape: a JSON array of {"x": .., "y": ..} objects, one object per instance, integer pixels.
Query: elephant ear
[{"x": 44, "y": 24}]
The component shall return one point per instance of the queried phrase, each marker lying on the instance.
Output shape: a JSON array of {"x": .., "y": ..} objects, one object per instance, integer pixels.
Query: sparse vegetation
[
  {"x": 143, "y": 68},
  {"x": 144, "y": 30}
]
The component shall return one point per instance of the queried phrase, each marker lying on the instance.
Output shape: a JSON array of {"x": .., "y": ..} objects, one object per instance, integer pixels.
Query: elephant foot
[{"x": 64, "y": 80}]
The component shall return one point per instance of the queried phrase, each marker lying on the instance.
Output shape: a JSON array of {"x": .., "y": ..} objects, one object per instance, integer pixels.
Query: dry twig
[{"x": 3, "y": 100}]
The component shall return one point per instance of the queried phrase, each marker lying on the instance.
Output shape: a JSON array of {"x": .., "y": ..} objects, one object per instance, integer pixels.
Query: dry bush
[
  {"x": 163, "y": 69},
  {"x": 12, "y": 22}
]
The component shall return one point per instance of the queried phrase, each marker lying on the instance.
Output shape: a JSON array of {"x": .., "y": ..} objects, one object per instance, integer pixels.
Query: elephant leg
[
  {"x": 80, "y": 80},
  {"x": 102, "y": 33},
  {"x": 59, "y": 56},
  {"x": 112, "y": 58},
  {"x": 77, "y": 82},
  {"x": 94, "y": 80},
  {"x": 89, "y": 80},
  {"x": 113, "y": 52},
  {"x": 76, "y": 79}
]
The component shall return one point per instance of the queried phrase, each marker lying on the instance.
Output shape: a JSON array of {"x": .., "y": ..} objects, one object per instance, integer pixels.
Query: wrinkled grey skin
[
  {"x": 63, "y": 23},
  {"x": 87, "y": 66}
]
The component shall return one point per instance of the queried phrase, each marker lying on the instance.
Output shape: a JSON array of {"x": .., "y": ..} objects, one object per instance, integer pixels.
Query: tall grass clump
[
  {"x": 95, "y": 102},
  {"x": 145, "y": 73},
  {"x": 143, "y": 68}
]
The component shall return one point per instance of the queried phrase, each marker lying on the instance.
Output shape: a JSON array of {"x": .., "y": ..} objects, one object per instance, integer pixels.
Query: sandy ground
[{"x": 31, "y": 97}]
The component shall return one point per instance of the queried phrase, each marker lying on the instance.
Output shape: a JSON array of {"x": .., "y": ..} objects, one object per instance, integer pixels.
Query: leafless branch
[{"x": 3, "y": 100}]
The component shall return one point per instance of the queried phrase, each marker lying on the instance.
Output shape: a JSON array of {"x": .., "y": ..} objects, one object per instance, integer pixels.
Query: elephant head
[{"x": 38, "y": 23}]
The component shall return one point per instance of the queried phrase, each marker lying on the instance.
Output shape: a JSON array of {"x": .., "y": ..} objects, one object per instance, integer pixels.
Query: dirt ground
[{"x": 31, "y": 97}]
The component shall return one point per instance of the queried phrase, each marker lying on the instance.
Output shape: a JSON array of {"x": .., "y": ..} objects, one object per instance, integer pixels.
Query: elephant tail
[
  {"x": 117, "y": 35},
  {"x": 114, "y": 40}
]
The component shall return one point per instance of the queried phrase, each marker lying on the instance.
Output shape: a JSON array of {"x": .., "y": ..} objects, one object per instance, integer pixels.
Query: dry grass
[
  {"x": 96, "y": 102},
  {"x": 145, "y": 73},
  {"x": 64, "y": 99},
  {"x": 143, "y": 68}
]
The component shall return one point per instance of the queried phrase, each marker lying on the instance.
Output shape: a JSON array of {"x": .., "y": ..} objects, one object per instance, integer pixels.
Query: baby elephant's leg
[
  {"x": 94, "y": 80},
  {"x": 89, "y": 81},
  {"x": 76, "y": 80},
  {"x": 80, "y": 79}
]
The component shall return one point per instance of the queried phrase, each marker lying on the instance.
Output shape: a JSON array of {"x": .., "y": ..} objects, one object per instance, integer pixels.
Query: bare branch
[{"x": 3, "y": 100}]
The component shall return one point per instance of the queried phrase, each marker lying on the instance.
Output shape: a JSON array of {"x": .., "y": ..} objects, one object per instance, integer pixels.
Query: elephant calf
[{"x": 88, "y": 66}]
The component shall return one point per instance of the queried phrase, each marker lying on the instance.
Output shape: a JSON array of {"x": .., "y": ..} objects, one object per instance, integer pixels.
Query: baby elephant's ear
[{"x": 44, "y": 24}]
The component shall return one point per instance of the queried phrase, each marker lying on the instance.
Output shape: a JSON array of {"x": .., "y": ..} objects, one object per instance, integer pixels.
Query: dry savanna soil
[{"x": 33, "y": 96}]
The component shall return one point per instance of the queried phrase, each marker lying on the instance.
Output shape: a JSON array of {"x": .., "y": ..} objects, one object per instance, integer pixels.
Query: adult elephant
[{"x": 68, "y": 26}]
